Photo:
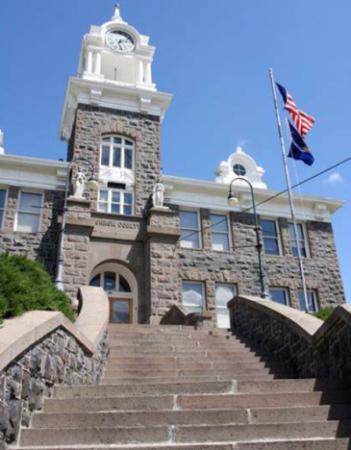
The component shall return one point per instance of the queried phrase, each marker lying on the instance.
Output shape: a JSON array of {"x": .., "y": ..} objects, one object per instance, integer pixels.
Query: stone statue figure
[
  {"x": 158, "y": 195},
  {"x": 79, "y": 182}
]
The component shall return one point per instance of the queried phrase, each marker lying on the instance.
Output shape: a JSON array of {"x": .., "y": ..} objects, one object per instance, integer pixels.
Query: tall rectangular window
[
  {"x": 189, "y": 229},
  {"x": 29, "y": 212},
  {"x": 279, "y": 295},
  {"x": 224, "y": 293},
  {"x": 193, "y": 296},
  {"x": 270, "y": 237},
  {"x": 114, "y": 201},
  {"x": 312, "y": 301},
  {"x": 300, "y": 242},
  {"x": 2, "y": 206},
  {"x": 117, "y": 151},
  {"x": 220, "y": 232}
]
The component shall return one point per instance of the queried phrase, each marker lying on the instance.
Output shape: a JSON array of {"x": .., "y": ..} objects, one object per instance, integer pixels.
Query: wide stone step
[
  {"x": 193, "y": 401},
  {"x": 167, "y": 357},
  {"x": 186, "y": 434},
  {"x": 190, "y": 365},
  {"x": 113, "y": 403},
  {"x": 263, "y": 400},
  {"x": 290, "y": 385},
  {"x": 144, "y": 389},
  {"x": 175, "y": 372},
  {"x": 192, "y": 417},
  {"x": 307, "y": 444},
  {"x": 112, "y": 378},
  {"x": 141, "y": 418},
  {"x": 172, "y": 350}
]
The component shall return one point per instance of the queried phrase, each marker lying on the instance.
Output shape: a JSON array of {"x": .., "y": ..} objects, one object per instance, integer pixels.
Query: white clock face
[{"x": 120, "y": 41}]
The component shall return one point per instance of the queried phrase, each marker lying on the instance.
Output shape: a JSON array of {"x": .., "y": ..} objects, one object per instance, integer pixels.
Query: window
[
  {"x": 117, "y": 151},
  {"x": 193, "y": 296},
  {"x": 2, "y": 206},
  {"x": 29, "y": 212},
  {"x": 279, "y": 295},
  {"x": 220, "y": 233},
  {"x": 301, "y": 242},
  {"x": 239, "y": 170},
  {"x": 189, "y": 229},
  {"x": 111, "y": 281},
  {"x": 224, "y": 293},
  {"x": 312, "y": 303},
  {"x": 116, "y": 202},
  {"x": 270, "y": 237}
]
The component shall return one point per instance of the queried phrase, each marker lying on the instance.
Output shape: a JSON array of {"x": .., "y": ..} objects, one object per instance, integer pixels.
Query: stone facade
[
  {"x": 93, "y": 122},
  {"x": 42, "y": 245},
  {"x": 240, "y": 267},
  {"x": 26, "y": 381}
]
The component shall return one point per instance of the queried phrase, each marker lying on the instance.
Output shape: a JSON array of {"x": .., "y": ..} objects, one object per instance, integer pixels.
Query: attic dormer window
[
  {"x": 239, "y": 170},
  {"x": 117, "y": 151}
]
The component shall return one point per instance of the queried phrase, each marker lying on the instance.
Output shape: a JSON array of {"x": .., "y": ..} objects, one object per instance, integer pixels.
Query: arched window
[{"x": 117, "y": 151}]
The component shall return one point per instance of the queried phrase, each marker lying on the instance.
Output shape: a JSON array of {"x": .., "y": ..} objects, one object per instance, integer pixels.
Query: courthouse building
[{"x": 152, "y": 240}]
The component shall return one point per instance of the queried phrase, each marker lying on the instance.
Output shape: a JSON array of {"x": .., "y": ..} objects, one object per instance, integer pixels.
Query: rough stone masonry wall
[
  {"x": 239, "y": 266},
  {"x": 92, "y": 122},
  {"x": 56, "y": 359},
  {"x": 41, "y": 246},
  {"x": 324, "y": 354}
]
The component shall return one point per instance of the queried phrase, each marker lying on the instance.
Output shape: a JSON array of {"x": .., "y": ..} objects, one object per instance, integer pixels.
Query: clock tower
[{"x": 112, "y": 112}]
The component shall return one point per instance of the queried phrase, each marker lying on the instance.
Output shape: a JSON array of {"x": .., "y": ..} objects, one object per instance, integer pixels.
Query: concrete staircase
[{"x": 177, "y": 388}]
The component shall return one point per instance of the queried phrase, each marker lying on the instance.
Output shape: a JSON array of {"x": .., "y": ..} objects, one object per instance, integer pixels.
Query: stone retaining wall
[
  {"x": 41, "y": 349},
  {"x": 305, "y": 344}
]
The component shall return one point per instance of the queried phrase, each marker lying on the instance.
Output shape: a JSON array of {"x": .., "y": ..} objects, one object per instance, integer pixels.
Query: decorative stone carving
[
  {"x": 158, "y": 195},
  {"x": 79, "y": 183}
]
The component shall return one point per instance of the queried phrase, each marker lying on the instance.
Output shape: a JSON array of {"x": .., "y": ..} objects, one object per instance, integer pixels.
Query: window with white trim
[
  {"x": 220, "y": 232},
  {"x": 301, "y": 239},
  {"x": 312, "y": 300},
  {"x": 117, "y": 151},
  {"x": 115, "y": 201},
  {"x": 279, "y": 295},
  {"x": 2, "y": 206},
  {"x": 193, "y": 296},
  {"x": 270, "y": 236},
  {"x": 190, "y": 236},
  {"x": 29, "y": 212}
]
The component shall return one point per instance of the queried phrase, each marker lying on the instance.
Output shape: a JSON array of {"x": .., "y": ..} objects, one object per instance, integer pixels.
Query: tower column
[
  {"x": 97, "y": 70},
  {"x": 89, "y": 63},
  {"x": 141, "y": 72},
  {"x": 148, "y": 73}
]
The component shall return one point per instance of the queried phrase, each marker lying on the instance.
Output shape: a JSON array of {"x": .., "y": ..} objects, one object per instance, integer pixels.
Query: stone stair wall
[
  {"x": 307, "y": 345},
  {"x": 41, "y": 349}
]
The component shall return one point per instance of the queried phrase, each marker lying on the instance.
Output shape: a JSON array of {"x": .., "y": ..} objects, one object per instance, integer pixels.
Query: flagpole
[{"x": 288, "y": 185}]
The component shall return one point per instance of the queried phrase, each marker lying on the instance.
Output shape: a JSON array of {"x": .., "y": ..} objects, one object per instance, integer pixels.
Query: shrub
[
  {"x": 26, "y": 286},
  {"x": 324, "y": 313}
]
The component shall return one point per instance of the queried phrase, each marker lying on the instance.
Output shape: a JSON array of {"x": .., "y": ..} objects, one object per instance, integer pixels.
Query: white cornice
[
  {"x": 110, "y": 95},
  {"x": 208, "y": 194}
]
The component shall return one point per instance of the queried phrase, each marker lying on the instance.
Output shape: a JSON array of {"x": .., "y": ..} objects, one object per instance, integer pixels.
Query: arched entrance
[{"x": 122, "y": 289}]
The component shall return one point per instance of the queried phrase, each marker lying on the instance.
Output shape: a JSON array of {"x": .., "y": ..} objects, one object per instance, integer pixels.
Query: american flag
[{"x": 303, "y": 121}]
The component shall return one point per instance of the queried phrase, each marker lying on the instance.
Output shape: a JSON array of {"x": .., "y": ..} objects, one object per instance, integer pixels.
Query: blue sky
[{"x": 214, "y": 57}]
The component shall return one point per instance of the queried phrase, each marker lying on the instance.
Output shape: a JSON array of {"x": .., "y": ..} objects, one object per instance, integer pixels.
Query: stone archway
[{"x": 122, "y": 289}]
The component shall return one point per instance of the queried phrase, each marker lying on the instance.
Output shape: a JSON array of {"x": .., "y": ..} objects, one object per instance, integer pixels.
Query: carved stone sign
[{"x": 116, "y": 229}]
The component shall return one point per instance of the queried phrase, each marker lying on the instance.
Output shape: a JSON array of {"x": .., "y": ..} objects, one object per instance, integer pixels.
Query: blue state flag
[{"x": 299, "y": 148}]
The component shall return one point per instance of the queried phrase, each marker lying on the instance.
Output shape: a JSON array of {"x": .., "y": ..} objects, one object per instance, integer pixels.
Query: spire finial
[
  {"x": 2, "y": 150},
  {"x": 117, "y": 11}
]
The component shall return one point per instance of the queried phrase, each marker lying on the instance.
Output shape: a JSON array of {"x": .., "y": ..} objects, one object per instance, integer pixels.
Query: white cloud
[{"x": 334, "y": 178}]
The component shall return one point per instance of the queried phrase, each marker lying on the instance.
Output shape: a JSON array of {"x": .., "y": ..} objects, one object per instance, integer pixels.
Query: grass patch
[{"x": 324, "y": 313}]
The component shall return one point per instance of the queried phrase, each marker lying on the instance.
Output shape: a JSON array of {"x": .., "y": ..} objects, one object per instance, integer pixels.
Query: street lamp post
[
  {"x": 91, "y": 182},
  {"x": 234, "y": 201}
]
